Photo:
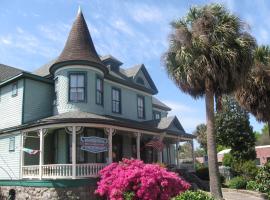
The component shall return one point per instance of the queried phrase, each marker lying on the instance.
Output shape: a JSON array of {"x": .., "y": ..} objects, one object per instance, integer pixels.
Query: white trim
[
  {"x": 78, "y": 67},
  {"x": 62, "y": 125},
  {"x": 262, "y": 147},
  {"x": 127, "y": 87},
  {"x": 73, "y": 152}
]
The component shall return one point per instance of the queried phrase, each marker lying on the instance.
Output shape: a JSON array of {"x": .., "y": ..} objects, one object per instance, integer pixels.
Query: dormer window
[
  {"x": 77, "y": 87},
  {"x": 140, "y": 80}
]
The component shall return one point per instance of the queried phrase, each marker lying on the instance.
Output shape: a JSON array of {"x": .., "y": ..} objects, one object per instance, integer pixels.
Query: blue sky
[{"x": 34, "y": 31}]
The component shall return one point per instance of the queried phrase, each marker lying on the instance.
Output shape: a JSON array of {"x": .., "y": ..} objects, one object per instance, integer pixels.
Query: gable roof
[
  {"x": 169, "y": 124},
  {"x": 7, "y": 72},
  {"x": 158, "y": 104},
  {"x": 133, "y": 71},
  {"x": 79, "y": 45}
]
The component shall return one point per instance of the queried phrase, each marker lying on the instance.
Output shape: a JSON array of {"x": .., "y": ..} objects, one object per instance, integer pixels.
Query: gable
[
  {"x": 142, "y": 77},
  {"x": 141, "y": 80}
]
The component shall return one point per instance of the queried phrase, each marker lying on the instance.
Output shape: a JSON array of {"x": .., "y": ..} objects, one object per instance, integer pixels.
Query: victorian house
[{"x": 80, "y": 112}]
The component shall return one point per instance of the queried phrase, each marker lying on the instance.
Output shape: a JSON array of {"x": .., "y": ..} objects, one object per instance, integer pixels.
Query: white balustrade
[
  {"x": 31, "y": 171},
  {"x": 89, "y": 170},
  {"x": 62, "y": 171}
]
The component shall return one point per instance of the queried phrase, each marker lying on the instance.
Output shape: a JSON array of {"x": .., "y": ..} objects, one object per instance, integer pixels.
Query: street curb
[{"x": 253, "y": 193}]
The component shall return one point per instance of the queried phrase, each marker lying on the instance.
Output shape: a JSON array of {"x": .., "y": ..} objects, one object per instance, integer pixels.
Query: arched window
[{"x": 140, "y": 80}]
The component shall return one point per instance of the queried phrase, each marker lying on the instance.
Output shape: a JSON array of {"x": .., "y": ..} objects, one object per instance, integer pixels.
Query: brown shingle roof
[
  {"x": 7, "y": 72},
  {"x": 79, "y": 45}
]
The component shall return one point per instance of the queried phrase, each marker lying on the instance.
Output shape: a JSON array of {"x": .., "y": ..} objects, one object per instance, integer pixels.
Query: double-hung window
[
  {"x": 77, "y": 87},
  {"x": 14, "y": 90},
  {"x": 116, "y": 100},
  {"x": 140, "y": 107},
  {"x": 99, "y": 91}
]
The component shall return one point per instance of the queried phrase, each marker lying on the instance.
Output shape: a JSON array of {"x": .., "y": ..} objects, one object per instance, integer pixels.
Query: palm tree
[
  {"x": 210, "y": 53},
  {"x": 254, "y": 94}
]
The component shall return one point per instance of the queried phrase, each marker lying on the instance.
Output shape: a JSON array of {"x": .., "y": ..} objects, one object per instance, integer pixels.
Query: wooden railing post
[{"x": 41, "y": 152}]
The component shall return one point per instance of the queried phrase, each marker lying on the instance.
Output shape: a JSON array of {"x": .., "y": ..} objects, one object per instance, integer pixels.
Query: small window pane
[
  {"x": 80, "y": 81},
  {"x": 73, "y": 81},
  {"x": 12, "y": 144}
]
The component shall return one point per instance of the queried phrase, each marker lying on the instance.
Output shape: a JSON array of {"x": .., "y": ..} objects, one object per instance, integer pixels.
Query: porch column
[
  {"x": 138, "y": 145},
  {"x": 73, "y": 152},
  {"x": 22, "y": 154},
  {"x": 110, "y": 134},
  {"x": 193, "y": 156},
  {"x": 177, "y": 154},
  {"x": 41, "y": 152}
]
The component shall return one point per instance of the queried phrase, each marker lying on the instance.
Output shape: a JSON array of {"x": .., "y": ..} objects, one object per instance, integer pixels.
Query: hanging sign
[{"x": 94, "y": 144}]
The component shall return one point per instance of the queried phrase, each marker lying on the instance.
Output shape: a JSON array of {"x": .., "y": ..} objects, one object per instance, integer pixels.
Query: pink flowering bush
[{"x": 146, "y": 181}]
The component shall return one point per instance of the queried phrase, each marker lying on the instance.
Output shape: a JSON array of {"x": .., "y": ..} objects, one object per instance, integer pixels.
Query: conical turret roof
[{"x": 79, "y": 45}]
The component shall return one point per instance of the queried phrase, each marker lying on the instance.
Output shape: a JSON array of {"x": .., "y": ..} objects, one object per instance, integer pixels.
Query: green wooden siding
[
  {"x": 10, "y": 160},
  {"x": 129, "y": 96},
  {"x": 11, "y": 107},
  {"x": 38, "y": 100}
]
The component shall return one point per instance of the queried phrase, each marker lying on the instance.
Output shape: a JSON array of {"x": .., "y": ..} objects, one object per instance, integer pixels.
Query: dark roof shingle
[
  {"x": 79, "y": 45},
  {"x": 7, "y": 72}
]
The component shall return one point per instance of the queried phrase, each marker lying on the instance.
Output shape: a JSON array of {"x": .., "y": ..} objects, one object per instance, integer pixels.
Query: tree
[
  {"x": 201, "y": 137},
  {"x": 210, "y": 53},
  {"x": 254, "y": 94},
  {"x": 233, "y": 130},
  {"x": 263, "y": 137}
]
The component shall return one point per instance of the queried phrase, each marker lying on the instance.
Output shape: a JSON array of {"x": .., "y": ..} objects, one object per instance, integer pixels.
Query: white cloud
[
  {"x": 55, "y": 32},
  {"x": 187, "y": 115},
  {"x": 121, "y": 25},
  {"x": 146, "y": 13}
]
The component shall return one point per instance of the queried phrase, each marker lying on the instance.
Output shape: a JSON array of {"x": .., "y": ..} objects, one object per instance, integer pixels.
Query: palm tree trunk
[
  {"x": 268, "y": 123},
  {"x": 215, "y": 186}
]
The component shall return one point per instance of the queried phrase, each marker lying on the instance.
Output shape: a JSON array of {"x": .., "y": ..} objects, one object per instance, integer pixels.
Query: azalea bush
[{"x": 141, "y": 181}]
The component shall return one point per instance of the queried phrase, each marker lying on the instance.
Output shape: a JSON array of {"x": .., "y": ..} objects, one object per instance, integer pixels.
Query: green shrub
[
  {"x": 203, "y": 173},
  {"x": 246, "y": 169},
  {"x": 263, "y": 179},
  {"x": 227, "y": 160},
  {"x": 252, "y": 185},
  {"x": 238, "y": 183},
  {"x": 129, "y": 195},
  {"x": 189, "y": 195}
]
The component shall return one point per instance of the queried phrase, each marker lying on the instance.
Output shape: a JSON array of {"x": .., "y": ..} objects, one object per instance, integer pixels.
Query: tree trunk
[
  {"x": 268, "y": 124},
  {"x": 215, "y": 186}
]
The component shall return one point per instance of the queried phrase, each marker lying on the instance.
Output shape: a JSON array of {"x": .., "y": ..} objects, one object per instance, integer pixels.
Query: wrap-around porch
[{"x": 59, "y": 151}]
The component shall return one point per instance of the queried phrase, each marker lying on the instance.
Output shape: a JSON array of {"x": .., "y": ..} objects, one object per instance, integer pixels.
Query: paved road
[{"x": 239, "y": 196}]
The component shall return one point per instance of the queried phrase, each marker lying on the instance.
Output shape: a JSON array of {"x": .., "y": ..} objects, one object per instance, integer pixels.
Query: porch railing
[
  {"x": 86, "y": 170},
  {"x": 31, "y": 171},
  {"x": 62, "y": 171}
]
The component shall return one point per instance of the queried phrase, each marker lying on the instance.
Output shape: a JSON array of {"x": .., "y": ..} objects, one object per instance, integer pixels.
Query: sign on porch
[{"x": 94, "y": 144}]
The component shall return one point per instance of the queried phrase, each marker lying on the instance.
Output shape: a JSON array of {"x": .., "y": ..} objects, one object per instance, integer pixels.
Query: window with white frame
[
  {"x": 99, "y": 91},
  {"x": 116, "y": 100},
  {"x": 140, "y": 107},
  {"x": 14, "y": 89},
  {"x": 77, "y": 87},
  {"x": 12, "y": 144}
]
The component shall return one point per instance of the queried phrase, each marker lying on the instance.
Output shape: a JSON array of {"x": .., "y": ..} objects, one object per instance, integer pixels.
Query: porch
[{"x": 61, "y": 155}]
